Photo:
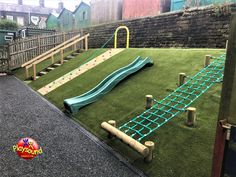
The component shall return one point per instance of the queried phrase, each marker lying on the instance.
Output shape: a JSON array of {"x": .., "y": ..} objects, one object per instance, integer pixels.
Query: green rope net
[{"x": 163, "y": 111}]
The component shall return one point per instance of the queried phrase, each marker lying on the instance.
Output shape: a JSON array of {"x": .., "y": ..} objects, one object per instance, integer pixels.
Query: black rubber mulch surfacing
[{"x": 67, "y": 150}]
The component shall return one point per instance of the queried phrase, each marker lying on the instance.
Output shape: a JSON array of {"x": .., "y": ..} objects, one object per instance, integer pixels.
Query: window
[
  {"x": 83, "y": 16},
  {"x": 20, "y": 21},
  {"x": 9, "y": 17}
]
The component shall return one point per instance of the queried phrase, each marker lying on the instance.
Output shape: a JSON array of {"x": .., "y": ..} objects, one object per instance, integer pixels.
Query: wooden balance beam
[{"x": 145, "y": 150}]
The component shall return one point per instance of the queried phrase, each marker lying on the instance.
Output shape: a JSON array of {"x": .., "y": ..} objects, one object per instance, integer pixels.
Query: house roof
[
  {"x": 54, "y": 15},
  {"x": 64, "y": 9},
  {"x": 24, "y": 8},
  {"x": 82, "y": 3}
]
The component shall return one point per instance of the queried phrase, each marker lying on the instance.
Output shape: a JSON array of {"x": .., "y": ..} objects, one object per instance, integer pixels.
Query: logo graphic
[{"x": 27, "y": 148}]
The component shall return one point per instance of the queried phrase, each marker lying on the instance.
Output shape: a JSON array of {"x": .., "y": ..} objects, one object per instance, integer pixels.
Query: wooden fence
[{"x": 22, "y": 50}]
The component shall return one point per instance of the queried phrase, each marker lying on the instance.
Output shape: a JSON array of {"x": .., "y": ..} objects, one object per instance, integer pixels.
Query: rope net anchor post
[
  {"x": 191, "y": 116},
  {"x": 150, "y": 145},
  {"x": 181, "y": 80},
  {"x": 149, "y": 101},
  {"x": 207, "y": 61}
]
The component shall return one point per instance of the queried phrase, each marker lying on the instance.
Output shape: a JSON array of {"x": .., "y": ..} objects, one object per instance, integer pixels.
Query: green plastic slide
[{"x": 72, "y": 105}]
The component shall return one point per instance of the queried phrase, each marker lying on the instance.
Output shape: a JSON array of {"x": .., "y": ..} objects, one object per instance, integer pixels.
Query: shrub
[{"x": 8, "y": 25}]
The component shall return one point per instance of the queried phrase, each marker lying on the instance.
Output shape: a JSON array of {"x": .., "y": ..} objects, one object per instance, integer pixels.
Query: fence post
[
  {"x": 8, "y": 57},
  {"x": 39, "y": 46}
]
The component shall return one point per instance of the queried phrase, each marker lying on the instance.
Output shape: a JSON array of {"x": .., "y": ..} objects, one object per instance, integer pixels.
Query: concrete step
[
  {"x": 70, "y": 57},
  {"x": 75, "y": 54},
  {"x": 57, "y": 64},
  {"x": 28, "y": 81},
  {"x": 42, "y": 73},
  {"x": 50, "y": 69}
]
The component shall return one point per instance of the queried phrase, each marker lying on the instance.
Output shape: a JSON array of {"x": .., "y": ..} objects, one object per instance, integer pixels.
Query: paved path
[{"x": 68, "y": 150}]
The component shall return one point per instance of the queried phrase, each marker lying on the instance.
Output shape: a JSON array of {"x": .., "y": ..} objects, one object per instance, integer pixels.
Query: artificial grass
[{"x": 180, "y": 151}]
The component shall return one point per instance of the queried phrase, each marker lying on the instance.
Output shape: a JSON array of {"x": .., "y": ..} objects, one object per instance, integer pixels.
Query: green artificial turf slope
[{"x": 180, "y": 151}]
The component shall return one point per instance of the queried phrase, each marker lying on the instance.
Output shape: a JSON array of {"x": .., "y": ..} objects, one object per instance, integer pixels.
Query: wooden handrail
[
  {"x": 51, "y": 55},
  {"x": 49, "y": 51}
]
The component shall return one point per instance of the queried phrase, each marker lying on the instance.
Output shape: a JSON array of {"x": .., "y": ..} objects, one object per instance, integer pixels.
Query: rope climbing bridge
[{"x": 163, "y": 111}]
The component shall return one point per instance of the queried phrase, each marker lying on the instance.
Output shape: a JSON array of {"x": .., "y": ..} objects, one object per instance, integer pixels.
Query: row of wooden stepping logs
[
  {"x": 147, "y": 149},
  {"x": 55, "y": 65}
]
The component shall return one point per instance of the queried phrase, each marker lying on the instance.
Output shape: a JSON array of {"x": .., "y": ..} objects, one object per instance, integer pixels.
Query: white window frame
[
  {"x": 20, "y": 21},
  {"x": 9, "y": 17}
]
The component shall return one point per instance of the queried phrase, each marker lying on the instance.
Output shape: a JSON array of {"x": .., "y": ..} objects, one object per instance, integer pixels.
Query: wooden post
[
  {"x": 52, "y": 58},
  {"x": 62, "y": 56},
  {"x": 74, "y": 47},
  {"x": 181, "y": 80},
  {"x": 86, "y": 43},
  {"x": 39, "y": 46},
  {"x": 8, "y": 58},
  {"x": 227, "y": 112},
  {"x": 191, "y": 116},
  {"x": 35, "y": 72},
  {"x": 207, "y": 61},
  {"x": 150, "y": 145},
  {"x": 112, "y": 123},
  {"x": 149, "y": 101},
  {"x": 64, "y": 37}
]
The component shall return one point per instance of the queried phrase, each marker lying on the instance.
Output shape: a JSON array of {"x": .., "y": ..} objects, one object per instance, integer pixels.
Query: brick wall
[{"x": 205, "y": 27}]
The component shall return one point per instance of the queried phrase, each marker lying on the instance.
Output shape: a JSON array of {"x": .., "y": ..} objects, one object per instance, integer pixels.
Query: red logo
[{"x": 27, "y": 148}]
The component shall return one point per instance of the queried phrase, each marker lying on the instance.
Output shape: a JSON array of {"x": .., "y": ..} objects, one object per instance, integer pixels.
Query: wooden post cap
[
  {"x": 112, "y": 122},
  {"x": 149, "y": 96},
  {"x": 191, "y": 109},
  {"x": 149, "y": 144}
]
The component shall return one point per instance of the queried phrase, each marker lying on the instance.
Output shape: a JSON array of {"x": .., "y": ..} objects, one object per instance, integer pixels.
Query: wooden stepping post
[
  {"x": 181, "y": 80},
  {"x": 150, "y": 145},
  {"x": 191, "y": 116},
  {"x": 207, "y": 61},
  {"x": 112, "y": 123},
  {"x": 149, "y": 101}
]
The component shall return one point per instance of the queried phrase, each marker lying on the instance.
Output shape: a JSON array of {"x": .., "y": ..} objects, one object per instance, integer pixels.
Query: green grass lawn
[{"x": 180, "y": 151}]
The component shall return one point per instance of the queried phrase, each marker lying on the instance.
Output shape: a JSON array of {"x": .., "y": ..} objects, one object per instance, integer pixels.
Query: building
[
  {"x": 82, "y": 16},
  {"x": 142, "y": 8},
  {"x": 65, "y": 20},
  {"x": 181, "y": 4},
  {"x": 52, "y": 21},
  {"x": 105, "y": 11},
  {"x": 26, "y": 15}
]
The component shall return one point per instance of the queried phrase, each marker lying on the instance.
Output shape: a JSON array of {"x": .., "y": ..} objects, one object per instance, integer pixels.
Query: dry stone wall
[{"x": 200, "y": 28}]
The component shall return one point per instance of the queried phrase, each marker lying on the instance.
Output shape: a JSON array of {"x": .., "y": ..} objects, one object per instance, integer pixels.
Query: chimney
[
  {"x": 41, "y": 3},
  {"x": 60, "y": 6},
  {"x": 20, "y": 2}
]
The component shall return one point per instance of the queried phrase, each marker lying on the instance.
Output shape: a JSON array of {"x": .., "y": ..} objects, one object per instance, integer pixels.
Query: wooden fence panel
[{"x": 23, "y": 50}]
